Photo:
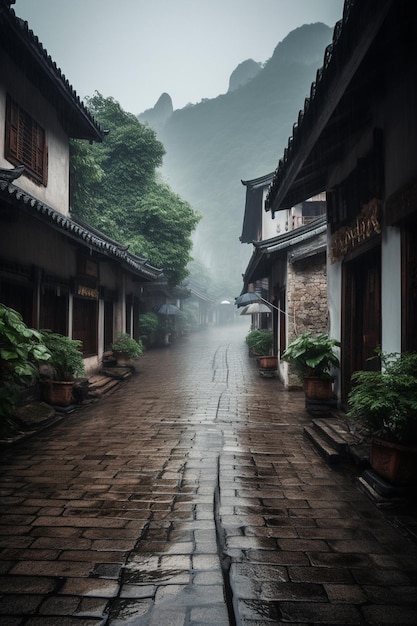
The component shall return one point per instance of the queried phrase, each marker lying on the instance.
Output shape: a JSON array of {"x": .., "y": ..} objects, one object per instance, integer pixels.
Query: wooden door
[{"x": 361, "y": 314}]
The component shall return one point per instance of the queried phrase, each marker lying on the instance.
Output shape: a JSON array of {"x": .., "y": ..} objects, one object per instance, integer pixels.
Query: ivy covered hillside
[{"x": 115, "y": 187}]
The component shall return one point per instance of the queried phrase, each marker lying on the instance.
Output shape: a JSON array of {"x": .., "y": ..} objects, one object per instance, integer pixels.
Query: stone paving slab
[{"x": 190, "y": 497}]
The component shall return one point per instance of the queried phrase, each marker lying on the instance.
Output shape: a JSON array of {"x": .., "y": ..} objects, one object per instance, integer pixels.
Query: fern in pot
[
  {"x": 260, "y": 343},
  {"x": 384, "y": 402},
  {"x": 65, "y": 365},
  {"x": 126, "y": 348}
]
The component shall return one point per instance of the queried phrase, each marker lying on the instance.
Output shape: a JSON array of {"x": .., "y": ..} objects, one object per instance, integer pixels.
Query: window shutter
[{"x": 25, "y": 142}]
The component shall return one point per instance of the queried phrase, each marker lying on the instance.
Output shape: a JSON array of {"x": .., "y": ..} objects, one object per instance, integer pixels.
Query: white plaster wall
[
  {"x": 334, "y": 294},
  {"x": 56, "y": 193},
  {"x": 391, "y": 290},
  {"x": 277, "y": 226},
  {"x": 334, "y": 302}
]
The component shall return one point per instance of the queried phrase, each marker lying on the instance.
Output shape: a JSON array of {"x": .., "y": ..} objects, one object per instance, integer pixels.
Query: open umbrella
[
  {"x": 256, "y": 307},
  {"x": 168, "y": 310},
  {"x": 251, "y": 297},
  {"x": 247, "y": 298}
]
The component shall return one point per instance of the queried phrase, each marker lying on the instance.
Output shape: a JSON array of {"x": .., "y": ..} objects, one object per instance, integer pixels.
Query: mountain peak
[
  {"x": 244, "y": 72},
  {"x": 158, "y": 115}
]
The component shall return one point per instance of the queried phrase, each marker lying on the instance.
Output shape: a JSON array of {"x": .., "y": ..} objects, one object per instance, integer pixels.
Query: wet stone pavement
[{"x": 190, "y": 497}]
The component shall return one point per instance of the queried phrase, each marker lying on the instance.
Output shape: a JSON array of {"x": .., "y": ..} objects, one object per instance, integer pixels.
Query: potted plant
[
  {"x": 260, "y": 342},
  {"x": 126, "y": 348},
  {"x": 21, "y": 349},
  {"x": 385, "y": 403},
  {"x": 148, "y": 326},
  {"x": 313, "y": 356},
  {"x": 66, "y": 364}
]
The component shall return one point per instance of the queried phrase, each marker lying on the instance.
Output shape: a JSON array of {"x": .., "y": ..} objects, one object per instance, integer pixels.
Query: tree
[
  {"x": 165, "y": 223},
  {"x": 115, "y": 188}
]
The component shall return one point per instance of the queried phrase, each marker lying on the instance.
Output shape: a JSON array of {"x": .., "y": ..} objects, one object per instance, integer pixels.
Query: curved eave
[
  {"x": 295, "y": 177},
  {"x": 261, "y": 181},
  {"x": 25, "y": 49},
  {"x": 267, "y": 251},
  {"x": 82, "y": 234}
]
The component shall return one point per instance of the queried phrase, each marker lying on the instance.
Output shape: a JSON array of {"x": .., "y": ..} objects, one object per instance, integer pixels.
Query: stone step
[
  {"x": 324, "y": 448},
  {"x": 107, "y": 379},
  {"x": 100, "y": 385},
  {"x": 333, "y": 432},
  {"x": 118, "y": 372}
]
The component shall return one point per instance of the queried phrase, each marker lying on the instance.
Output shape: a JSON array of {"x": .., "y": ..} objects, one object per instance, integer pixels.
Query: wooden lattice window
[{"x": 25, "y": 142}]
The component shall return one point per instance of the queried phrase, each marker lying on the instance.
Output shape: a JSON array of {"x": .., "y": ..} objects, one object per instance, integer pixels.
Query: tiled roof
[
  {"x": 24, "y": 47},
  {"x": 76, "y": 229},
  {"x": 261, "y": 181},
  {"x": 352, "y": 38},
  {"x": 311, "y": 236}
]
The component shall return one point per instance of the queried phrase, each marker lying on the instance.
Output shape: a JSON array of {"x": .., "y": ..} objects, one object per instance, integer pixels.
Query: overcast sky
[{"x": 134, "y": 50}]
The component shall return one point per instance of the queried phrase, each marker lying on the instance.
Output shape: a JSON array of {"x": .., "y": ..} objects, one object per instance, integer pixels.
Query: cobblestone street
[{"x": 190, "y": 497}]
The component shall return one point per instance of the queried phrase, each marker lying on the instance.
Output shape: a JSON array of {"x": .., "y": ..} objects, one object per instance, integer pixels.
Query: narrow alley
[{"x": 190, "y": 497}]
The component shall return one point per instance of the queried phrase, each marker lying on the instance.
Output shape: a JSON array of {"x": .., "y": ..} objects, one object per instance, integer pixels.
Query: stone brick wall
[{"x": 306, "y": 301}]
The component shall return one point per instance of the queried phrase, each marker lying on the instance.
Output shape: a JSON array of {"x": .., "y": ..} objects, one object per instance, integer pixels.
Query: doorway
[{"x": 361, "y": 315}]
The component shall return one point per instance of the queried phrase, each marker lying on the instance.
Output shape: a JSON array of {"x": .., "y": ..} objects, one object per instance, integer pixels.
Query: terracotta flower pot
[
  {"x": 121, "y": 357},
  {"x": 58, "y": 393},
  {"x": 394, "y": 462},
  {"x": 316, "y": 388},
  {"x": 268, "y": 362}
]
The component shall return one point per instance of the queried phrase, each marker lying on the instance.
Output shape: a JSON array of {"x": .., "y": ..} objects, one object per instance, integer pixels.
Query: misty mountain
[
  {"x": 243, "y": 74},
  {"x": 213, "y": 145},
  {"x": 159, "y": 114}
]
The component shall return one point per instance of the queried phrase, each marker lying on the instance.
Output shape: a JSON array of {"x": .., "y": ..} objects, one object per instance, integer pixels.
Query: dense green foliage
[
  {"x": 21, "y": 348},
  {"x": 260, "y": 341},
  {"x": 385, "y": 401},
  {"x": 115, "y": 188},
  {"x": 148, "y": 328},
  {"x": 312, "y": 355},
  {"x": 126, "y": 343},
  {"x": 66, "y": 357}
]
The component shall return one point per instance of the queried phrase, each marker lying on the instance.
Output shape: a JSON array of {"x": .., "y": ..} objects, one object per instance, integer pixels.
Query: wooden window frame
[{"x": 25, "y": 142}]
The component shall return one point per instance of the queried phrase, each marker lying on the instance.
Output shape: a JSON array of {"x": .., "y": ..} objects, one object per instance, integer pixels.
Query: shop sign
[
  {"x": 366, "y": 224},
  {"x": 87, "y": 292}
]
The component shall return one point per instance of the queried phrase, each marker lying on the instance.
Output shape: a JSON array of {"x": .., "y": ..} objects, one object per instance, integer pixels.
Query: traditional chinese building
[
  {"x": 356, "y": 139},
  {"x": 57, "y": 271}
]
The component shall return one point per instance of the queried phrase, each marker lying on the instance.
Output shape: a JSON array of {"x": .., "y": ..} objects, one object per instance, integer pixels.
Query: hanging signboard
[{"x": 366, "y": 225}]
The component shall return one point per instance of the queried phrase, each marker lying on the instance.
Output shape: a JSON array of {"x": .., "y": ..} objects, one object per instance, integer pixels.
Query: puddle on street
[{"x": 128, "y": 611}]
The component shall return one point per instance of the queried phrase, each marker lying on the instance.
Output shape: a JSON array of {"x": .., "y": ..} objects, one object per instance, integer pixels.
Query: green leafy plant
[
  {"x": 385, "y": 401},
  {"x": 115, "y": 187},
  {"x": 125, "y": 343},
  {"x": 148, "y": 324},
  {"x": 312, "y": 355},
  {"x": 66, "y": 357},
  {"x": 21, "y": 348},
  {"x": 260, "y": 341}
]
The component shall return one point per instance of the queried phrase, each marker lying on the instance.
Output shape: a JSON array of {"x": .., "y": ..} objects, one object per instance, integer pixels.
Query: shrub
[
  {"x": 125, "y": 343},
  {"x": 260, "y": 342},
  {"x": 312, "y": 355},
  {"x": 66, "y": 357},
  {"x": 385, "y": 401},
  {"x": 21, "y": 348}
]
